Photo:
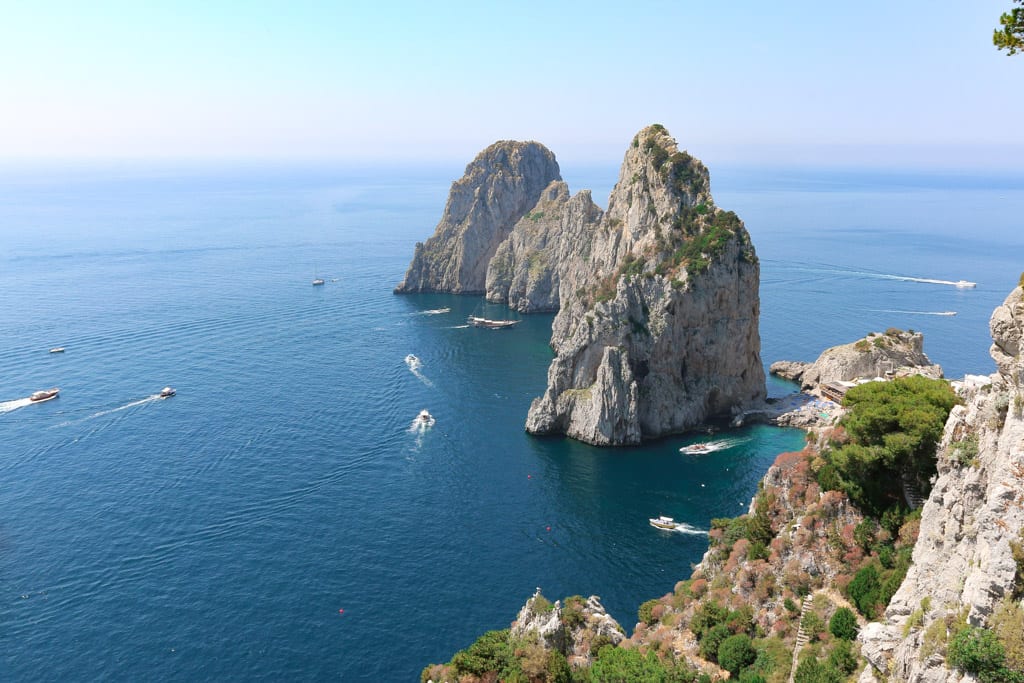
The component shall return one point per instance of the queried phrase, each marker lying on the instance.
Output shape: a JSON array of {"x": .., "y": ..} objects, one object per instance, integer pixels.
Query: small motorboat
[
  {"x": 167, "y": 392},
  {"x": 57, "y": 349},
  {"x": 695, "y": 448},
  {"x": 425, "y": 417},
  {"x": 317, "y": 281},
  {"x": 45, "y": 395},
  {"x": 964, "y": 284},
  {"x": 664, "y": 522},
  {"x": 411, "y": 360}
]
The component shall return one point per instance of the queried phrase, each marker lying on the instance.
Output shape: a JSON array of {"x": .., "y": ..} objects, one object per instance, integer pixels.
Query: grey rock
[{"x": 498, "y": 188}]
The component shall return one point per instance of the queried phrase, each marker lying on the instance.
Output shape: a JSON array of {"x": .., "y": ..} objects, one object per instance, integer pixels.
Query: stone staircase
[
  {"x": 802, "y": 636},
  {"x": 911, "y": 492}
]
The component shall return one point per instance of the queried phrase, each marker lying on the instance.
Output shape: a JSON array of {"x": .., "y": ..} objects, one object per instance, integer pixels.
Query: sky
[{"x": 870, "y": 82}]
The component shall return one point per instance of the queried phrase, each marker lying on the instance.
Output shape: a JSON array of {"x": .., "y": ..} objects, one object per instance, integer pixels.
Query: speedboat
[
  {"x": 695, "y": 448},
  {"x": 317, "y": 281},
  {"x": 964, "y": 284},
  {"x": 167, "y": 392},
  {"x": 58, "y": 349},
  {"x": 411, "y": 359},
  {"x": 45, "y": 395},
  {"x": 664, "y": 522},
  {"x": 425, "y": 417}
]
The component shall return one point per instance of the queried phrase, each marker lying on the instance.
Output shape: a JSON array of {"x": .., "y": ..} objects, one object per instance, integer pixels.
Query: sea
[{"x": 283, "y": 517}]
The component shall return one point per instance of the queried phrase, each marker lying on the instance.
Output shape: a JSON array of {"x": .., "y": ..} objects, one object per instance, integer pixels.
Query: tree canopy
[{"x": 1011, "y": 36}]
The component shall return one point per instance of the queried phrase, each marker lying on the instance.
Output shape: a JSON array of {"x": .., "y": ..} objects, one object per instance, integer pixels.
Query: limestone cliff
[
  {"x": 657, "y": 328},
  {"x": 963, "y": 559},
  {"x": 498, "y": 188},
  {"x": 894, "y": 353}
]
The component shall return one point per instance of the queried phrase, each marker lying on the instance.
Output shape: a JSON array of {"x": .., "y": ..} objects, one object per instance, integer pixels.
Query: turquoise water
[{"x": 218, "y": 534}]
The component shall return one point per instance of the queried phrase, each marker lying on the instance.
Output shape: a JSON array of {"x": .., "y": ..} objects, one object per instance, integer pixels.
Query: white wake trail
[{"x": 8, "y": 406}]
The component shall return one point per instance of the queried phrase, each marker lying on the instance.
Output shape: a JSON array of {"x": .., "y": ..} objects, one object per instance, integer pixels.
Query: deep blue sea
[{"x": 279, "y": 519}]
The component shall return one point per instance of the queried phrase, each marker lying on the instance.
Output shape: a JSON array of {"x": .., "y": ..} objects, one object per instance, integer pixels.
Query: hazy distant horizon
[{"x": 913, "y": 83}]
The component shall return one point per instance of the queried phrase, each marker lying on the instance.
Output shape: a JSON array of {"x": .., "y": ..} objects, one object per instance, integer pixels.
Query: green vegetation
[
  {"x": 1010, "y": 36},
  {"x": 978, "y": 651},
  {"x": 965, "y": 451},
  {"x": 644, "y": 614},
  {"x": 619, "y": 665},
  {"x": 843, "y": 624},
  {"x": 736, "y": 652},
  {"x": 893, "y": 428},
  {"x": 1008, "y": 625}
]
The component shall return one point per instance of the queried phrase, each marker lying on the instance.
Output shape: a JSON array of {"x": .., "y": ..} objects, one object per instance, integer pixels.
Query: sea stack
[
  {"x": 657, "y": 297},
  {"x": 657, "y": 329},
  {"x": 499, "y": 186}
]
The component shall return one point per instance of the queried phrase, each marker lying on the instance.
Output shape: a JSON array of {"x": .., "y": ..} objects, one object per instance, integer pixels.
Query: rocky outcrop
[
  {"x": 499, "y": 187},
  {"x": 895, "y": 353},
  {"x": 657, "y": 329},
  {"x": 528, "y": 267},
  {"x": 963, "y": 561},
  {"x": 576, "y": 629}
]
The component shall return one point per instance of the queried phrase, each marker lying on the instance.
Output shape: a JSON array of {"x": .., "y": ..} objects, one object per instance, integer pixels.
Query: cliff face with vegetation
[
  {"x": 657, "y": 328},
  {"x": 499, "y": 187},
  {"x": 835, "y": 574},
  {"x": 657, "y": 297},
  {"x": 967, "y": 579}
]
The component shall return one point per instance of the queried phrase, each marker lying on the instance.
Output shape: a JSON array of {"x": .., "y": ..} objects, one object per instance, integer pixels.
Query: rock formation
[
  {"x": 499, "y": 187},
  {"x": 895, "y": 353},
  {"x": 963, "y": 559},
  {"x": 657, "y": 297},
  {"x": 576, "y": 629},
  {"x": 657, "y": 329}
]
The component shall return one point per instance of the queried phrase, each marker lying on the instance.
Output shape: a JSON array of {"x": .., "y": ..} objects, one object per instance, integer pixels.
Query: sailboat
[{"x": 477, "y": 321}]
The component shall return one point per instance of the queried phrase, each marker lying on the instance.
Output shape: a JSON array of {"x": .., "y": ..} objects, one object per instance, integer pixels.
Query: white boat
[
  {"x": 167, "y": 392},
  {"x": 491, "y": 324},
  {"x": 695, "y": 449},
  {"x": 964, "y": 284},
  {"x": 317, "y": 281},
  {"x": 57, "y": 349},
  {"x": 411, "y": 360},
  {"x": 664, "y": 522},
  {"x": 45, "y": 395}
]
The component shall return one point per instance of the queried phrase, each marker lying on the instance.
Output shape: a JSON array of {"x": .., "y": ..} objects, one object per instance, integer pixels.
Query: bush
[
  {"x": 843, "y": 624},
  {"x": 811, "y": 670},
  {"x": 976, "y": 651},
  {"x": 490, "y": 652},
  {"x": 842, "y": 658},
  {"x": 864, "y": 590},
  {"x": 646, "y": 612},
  {"x": 735, "y": 653},
  {"x": 712, "y": 640}
]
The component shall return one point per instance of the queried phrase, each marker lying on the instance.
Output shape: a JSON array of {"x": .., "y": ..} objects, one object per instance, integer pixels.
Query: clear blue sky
[{"x": 744, "y": 81}]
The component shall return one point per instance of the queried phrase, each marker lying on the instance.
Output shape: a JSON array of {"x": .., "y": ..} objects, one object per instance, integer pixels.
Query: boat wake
[
  {"x": 879, "y": 310},
  {"x": 126, "y": 406},
  {"x": 684, "y": 528},
  {"x": 433, "y": 311},
  {"x": 458, "y": 327},
  {"x": 703, "y": 447},
  {"x": 8, "y": 406},
  {"x": 415, "y": 364}
]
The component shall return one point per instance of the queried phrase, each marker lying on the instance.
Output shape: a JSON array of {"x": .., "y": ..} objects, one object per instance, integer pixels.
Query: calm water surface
[{"x": 219, "y": 534}]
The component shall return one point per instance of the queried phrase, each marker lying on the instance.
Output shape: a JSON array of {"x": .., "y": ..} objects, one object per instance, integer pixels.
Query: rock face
[
  {"x": 573, "y": 629},
  {"x": 963, "y": 559},
  {"x": 657, "y": 329},
  {"x": 895, "y": 352},
  {"x": 499, "y": 187}
]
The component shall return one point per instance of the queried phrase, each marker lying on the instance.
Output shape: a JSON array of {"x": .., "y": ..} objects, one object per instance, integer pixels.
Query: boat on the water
[
  {"x": 664, "y": 522},
  {"x": 411, "y": 359},
  {"x": 491, "y": 324},
  {"x": 45, "y": 395},
  {"x": 57, "y": 349},
  {"x": 167, "y": 392},
  {"x": 424, "y": 419},
  {"x": 695, "y": 448},
  {"x": 964, "y": 284},
  {"x": 317, "y": 281}
]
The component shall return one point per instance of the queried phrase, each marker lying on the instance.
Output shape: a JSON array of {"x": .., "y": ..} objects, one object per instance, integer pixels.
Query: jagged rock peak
[
  {"x": 657, "y": 327},
  {"x": 498, "y": 188}
]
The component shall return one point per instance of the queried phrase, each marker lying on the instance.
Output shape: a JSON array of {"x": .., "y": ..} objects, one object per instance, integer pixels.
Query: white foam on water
[
  {"x": 684, "y": 528},
  {"x": 433, "y": 311},
  {"x": 8, "y": 406},
  {"x": 126, "y": 406},
  {"x": 415, "y": 364},
  {"x": 879, "y": 310},
  {"x": 703, "y": 447}
]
